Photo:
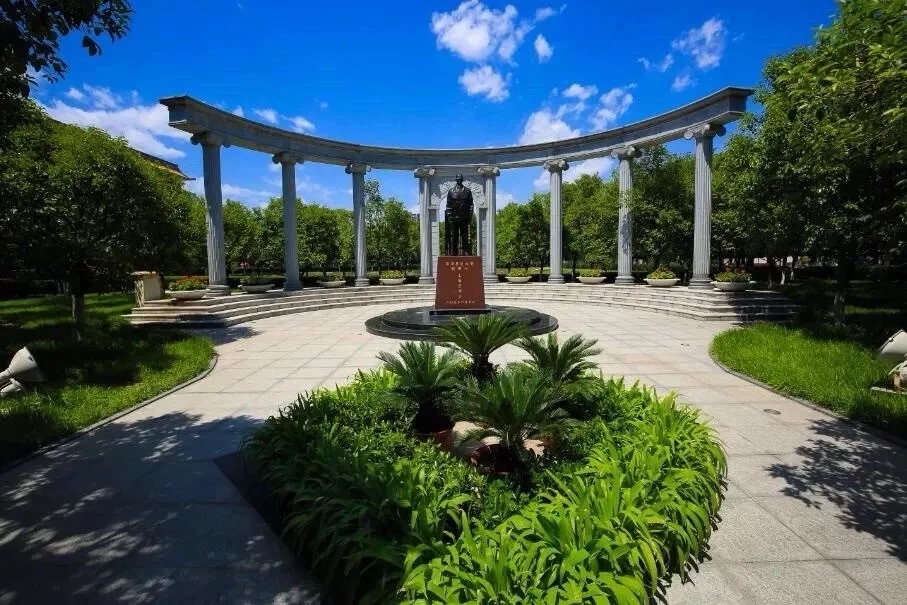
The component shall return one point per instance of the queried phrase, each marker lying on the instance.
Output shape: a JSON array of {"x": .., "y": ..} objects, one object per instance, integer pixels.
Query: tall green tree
[
  {"x": 242, "y": 235},
  {"x": 590, "y": 221},
  {"x": 319, "y": 238},
  {"x": 30, "y": 34}
]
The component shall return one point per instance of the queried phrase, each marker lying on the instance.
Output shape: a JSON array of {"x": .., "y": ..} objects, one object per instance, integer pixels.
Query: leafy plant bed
[{"x": 626, "y": 496}]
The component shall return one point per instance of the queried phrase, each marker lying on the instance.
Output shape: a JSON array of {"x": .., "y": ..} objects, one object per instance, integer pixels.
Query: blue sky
[{"x": 415, "y": 73}]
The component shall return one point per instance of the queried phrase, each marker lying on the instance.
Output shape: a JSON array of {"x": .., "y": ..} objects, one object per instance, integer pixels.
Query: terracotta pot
[
  {"x": 444, "y": 439},
  {"x": 487, "y": 459}
]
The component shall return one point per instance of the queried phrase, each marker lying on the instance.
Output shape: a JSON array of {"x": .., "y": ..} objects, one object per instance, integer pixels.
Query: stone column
[
  {"x": 702, "y": 226},
  {"x": 427, "y": 270},
  {"x": 556, "y": 168},
  {"x": 491, "y": 262},
  {"x": 624, "y": 221},
  {"x": 217, "y": 256},
  {"x": 358, "y": 171},
  {"x": 290, "y": 246},
  {"x": 480, "y": 239}
]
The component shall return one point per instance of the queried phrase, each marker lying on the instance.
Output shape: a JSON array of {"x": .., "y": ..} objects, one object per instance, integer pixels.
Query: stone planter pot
[
  {"x": 518, "y": 280},
  {"x": 591, "y": 280},
  {"x": 257, "y": 289},
  {"x": 731, "y": 286},
  {"x": 332, "y": 284},
  {"x": 392, "y": 281},
  {"x": 186, "y": 294},
  {"x": 662, "y": 283}
]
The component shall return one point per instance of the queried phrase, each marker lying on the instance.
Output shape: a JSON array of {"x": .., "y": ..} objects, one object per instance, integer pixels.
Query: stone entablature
[{"x": 191, "y": 115}]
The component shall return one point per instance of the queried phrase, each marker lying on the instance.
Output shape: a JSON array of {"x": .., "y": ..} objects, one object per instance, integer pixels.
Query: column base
[
  {"x": 292, "y": 287},
  {"x": 624, "y": 280},
  {"x": 426, "y": 279},
  {"x": 217, "y": 290},
  {"x": 555, "y": 279},
  {"x": 491, "y": 278},
  {"x": 362, "y": 281},
  {"x": 700, "y": 283}
]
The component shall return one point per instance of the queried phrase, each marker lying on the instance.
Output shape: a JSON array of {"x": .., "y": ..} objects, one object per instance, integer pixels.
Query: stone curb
[
  {"x": 88, "y": 429},
  {"x": 868, "y": 428}
]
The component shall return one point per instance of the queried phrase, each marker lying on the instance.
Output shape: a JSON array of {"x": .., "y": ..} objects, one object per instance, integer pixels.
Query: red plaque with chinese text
[{"x": 459, "y": 284}]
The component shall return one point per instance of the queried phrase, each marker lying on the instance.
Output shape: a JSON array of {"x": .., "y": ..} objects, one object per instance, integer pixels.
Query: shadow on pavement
[{"x": 138, "y": 512}]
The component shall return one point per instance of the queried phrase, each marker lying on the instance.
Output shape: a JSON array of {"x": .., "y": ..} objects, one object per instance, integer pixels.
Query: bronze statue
[{"x": 457, "y": 220}]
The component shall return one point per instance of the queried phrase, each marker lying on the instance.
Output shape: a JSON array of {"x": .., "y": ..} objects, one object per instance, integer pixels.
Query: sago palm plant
[
  {"x": 424, "y": 376},
  {"x": 515, "y": 406},
  {"x": 567, "y": 365},
  {"x": 479, "y": 338}
]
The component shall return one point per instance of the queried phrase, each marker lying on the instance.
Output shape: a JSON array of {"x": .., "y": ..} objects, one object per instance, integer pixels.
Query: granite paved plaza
[{"x": 137, "y": 512}]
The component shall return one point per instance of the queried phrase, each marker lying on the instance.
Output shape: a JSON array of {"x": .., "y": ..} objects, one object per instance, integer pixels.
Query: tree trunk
[
  {"x": 78, "y": 304},
  {"x": 837, "y": 308}
]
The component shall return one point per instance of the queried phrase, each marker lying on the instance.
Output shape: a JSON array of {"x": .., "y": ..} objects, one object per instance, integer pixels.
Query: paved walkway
[{"x": 137, "y": 512}]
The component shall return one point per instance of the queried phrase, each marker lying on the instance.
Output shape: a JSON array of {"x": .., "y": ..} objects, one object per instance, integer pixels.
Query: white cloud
[
  {"x": 578, "y": 91},
  {"x": 300, "y": 124},
  {"x": 145, "y": 127},
  {"x": 475, "y": 32},
  {"x": 246, "y": 195},
  {"x": 485, "y": 81},
  {"x": 504, "y": 198},
  {"x": 543, "y": 48},
  {"x": 239, "y": 112},
  {"x": 323, "y": 105},
  {"x": 663, "y": 66},
  {"x": 546, "y": 11},
  {"x": 682, "y": 82},
  {"x": 705, "y": 43},
  {"x": 544, "y": 126},
  {"x": 614, "y": 104},
  {"x": 268, "y": 115},
  {"x": 75, "y": 94}
]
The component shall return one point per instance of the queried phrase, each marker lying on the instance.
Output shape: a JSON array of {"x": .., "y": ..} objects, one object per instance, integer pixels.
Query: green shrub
[
  {"x": 589, "y": 272},
  {"x": 189, "y": 282},
  {"x": 518, "y": 272},
  {"x": 380, "y": 517},
  {"x": 393, "y": 275},
  {"x": 478, "y": 338},
  {"x": 738, "y": 275},
  {"x": 256, "y": 280},
  {"x": 333, "y": 276},
  {"x": 661, "y": 273}
]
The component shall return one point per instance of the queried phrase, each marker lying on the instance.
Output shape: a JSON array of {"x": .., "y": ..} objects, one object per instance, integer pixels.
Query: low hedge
[{"x": 616, "y": 507}]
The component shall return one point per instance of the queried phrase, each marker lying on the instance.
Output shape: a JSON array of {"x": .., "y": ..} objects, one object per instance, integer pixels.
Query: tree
[
  {"x": 375, "y": 206},
  {"x": 242, "y": 234},
  {"x": 319, "y": 238},
  {"x": 395, "y": 229},
  {"x": 100, "y": 211},
  {"x": 533, "y": 229},
  {"x": 30, "y": 32},
  {"x": 590, "y": 220}
]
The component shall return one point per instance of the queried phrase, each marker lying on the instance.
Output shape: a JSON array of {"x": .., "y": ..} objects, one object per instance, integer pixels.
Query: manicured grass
[
  {"x": 833, "y": 372},
  {"x": 114, "y": 367}
]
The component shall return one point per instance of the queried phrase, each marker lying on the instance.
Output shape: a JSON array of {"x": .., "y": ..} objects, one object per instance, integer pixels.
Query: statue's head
[{"x": 459, "y": 178}]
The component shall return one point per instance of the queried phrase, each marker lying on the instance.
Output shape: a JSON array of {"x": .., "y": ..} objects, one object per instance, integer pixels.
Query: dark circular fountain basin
[{"x": 417, "y": 323}]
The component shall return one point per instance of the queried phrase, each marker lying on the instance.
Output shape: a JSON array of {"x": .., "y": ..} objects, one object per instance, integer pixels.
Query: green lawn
[
  {"x": 115, "y": 366},
  {"x": 831, "y": 365}
]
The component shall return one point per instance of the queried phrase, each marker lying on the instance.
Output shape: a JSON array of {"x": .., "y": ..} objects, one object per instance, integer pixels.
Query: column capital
[
  {"x": 489, "y": 171},
  {"x": 626, "y": 153},
  {"x": 703, "y": 131},
  {"x": 285, "y": 157},
  {"x": 556, "y": 165},
  {"x": 424, "y": 172},
  {"x": 357, "y": 168},
  {"x": 208, "y": 138}
]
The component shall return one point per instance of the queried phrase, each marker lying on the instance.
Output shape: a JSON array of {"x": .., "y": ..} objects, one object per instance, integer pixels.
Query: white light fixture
[
  {"x": 23, "y": 367},
  {"x": 895, "y": 350}
]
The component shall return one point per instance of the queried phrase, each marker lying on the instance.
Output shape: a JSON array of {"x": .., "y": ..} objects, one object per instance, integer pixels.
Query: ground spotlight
[
  {"x": 22, "y": 368},
  {"x": 895, "y": 350}
]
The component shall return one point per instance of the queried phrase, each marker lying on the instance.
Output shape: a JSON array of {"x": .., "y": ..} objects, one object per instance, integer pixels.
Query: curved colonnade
[{"x": 214, "y": 129}]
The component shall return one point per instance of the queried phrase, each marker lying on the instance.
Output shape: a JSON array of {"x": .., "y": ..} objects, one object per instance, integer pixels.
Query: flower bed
[{"x": 624, "y": 497}]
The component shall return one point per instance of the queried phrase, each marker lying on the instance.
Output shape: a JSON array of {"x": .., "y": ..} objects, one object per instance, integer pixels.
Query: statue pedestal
[{"x": 459, "y": 285}]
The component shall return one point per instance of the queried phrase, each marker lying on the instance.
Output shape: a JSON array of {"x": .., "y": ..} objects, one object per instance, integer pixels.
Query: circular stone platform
[{"x": 417, "y": 323}]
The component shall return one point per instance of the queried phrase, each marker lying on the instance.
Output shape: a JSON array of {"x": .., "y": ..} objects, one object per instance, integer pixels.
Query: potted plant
[
  {"x": 188, "y": 288},
  {"x": 332, "y": 280},
  {"x": 590, "y": 276},
  {"x": 518, "y": 405},
  {"x": 255, "y": 284},
  {"x": 392, "y": 278},
  {"x": 518, "y": 276},
  {"x": 737, "y": 280},
  {"x": 662, "y": 278},
  {"x": 425, "y": 378}
]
